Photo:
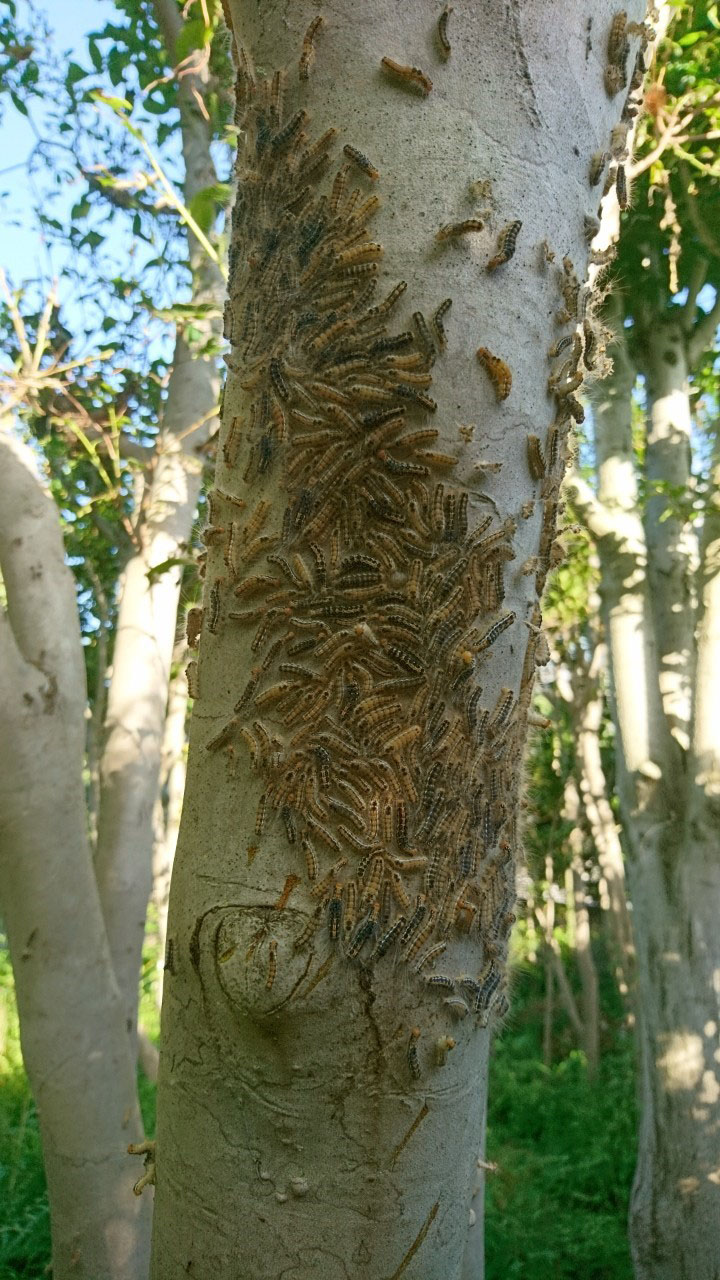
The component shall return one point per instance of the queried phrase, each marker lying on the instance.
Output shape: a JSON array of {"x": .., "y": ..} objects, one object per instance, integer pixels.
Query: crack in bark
[
  {"x": 321, "y": 974},
  {"x": 416, "y": 1242},
  {"x": 403, "y": 1143}
]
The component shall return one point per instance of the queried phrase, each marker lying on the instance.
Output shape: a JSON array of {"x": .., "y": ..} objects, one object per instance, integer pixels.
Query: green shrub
[{"x": 565, "y": 1148}]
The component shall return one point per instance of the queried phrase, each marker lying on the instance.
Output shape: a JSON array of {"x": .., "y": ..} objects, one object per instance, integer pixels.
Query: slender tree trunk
[
  {"x": 606, "y": 838},
  {"x": 147, "y": 614},
  {"x": 96, "y": 717},
  {"x": 672, "y": 553},
  {"x": 675, "y": 1205},
  {"x": 174, "y": 758},
  {"x": 575, "y": 894},
  {"x": 74, "y": 1040},
  {"x": 313, "y": 1114},
  {"x": 553, "y": 954},
  {"x": 675, "y": 1209}
]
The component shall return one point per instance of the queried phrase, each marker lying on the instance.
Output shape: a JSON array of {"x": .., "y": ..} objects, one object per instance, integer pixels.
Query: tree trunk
[
  {"x": 174, "y": 768},
  {"x": 675, "y": 1205},
  {"x": 672, "y": 550},
  {"x": 313, "y": 1114},
  {"x": 74, "y": 1040},
  {"x": 606, "y": 838},
  {"x": 147, "y": 615},
  {"x": 575, "y": 895}
]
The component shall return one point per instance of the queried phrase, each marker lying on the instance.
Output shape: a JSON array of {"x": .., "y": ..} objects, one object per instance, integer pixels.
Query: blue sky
[
  {"x": 33, "y": 259},
  {"x": 22, "y": 251}
]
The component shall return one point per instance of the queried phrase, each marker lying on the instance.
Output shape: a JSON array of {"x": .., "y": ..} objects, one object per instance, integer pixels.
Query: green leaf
[
  {"x": 116, "y": 104},
  {"x": 691, "y": 38},
  {"x": 95, "y": 53},
  {"x": 194, "y": 35},
  {"x": 18, "y": 103},
  {"x": 74, "y": 73},
  {"x": 186, "y": 311},
  {"x": 156, "y": 107},
  {"x": 117, "y": 65}
]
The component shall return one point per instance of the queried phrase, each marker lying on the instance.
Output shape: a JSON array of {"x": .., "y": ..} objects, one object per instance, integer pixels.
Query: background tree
[
  {"x": 657, "y": 589},
  {"x": 91, "y": 443}
]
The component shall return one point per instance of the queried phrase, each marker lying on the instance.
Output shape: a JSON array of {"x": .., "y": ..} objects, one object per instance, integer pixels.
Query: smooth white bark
[
  {"x": 147, "y": 614},
  {"x": 170, "y": 805},
  {"x": 706, "y": 739},
  {"x": 671, "y": 542},
  {"x": 75, "y": 1043},
  {"x": 673, "y": 875},
  {"x": 292, "y": 1136}
]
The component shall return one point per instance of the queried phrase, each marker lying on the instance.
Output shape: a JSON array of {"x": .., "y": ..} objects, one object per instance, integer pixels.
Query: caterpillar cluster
[{"x": 372, "y": 603}]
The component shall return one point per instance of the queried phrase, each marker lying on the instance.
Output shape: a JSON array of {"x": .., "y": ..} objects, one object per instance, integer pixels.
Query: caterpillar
[
  {"x": 412, "y": 76},
  {"x": 498, "y": 372},
  {"x": 506, "y": 243}
]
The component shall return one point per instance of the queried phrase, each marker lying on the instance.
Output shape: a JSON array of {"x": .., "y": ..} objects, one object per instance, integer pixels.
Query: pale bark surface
[
  {"x": 297, "y": 1135},
  {"x": 605, "y": 832},
  {"x": 579, "y": 686},
  {"x": 74, "y": 1041},
  {"x": 147, "y": 614},
  {"x": 669, "y": 809},
  {"x": 169, "y": 805},
  {"x": 670, "y": 539},
  {"x": 581, "y": 942}
]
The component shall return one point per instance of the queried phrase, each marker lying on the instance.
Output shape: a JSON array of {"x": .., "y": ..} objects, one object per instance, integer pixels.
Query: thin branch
[
  {"x": 17, "y": 322},
  {"x": 178, "y": 204},
  {"x": 668, "y": 138},
  {"x": 43, "y": 327},
  {"x": 703, "y": 334},
  {"x": 698, "y": 276},
  {"x": 200, "y": 422},
  {"x": 564, "y": 988},
  {"x": 704, "y": 236}
]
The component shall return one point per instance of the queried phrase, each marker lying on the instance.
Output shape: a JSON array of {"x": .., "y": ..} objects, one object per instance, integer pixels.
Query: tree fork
[
  {"x": 74, "y": 1037},
  {"x": 340, "y": 909}
]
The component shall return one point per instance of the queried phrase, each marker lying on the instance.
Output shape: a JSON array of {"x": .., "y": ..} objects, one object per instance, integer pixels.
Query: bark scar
[
  {"x": 415, "y": 1124},
  {"x": 322, "y": 973},
  {"x": 529, "y": 94},
  {"x": 416, "y": 1242}
]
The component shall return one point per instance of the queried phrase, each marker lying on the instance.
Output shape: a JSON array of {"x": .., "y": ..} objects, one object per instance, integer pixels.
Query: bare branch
[
  {"x": 698, "y": 276},
  {"x": 17, "y": 321},
  {"x": 703, "y": 334}
]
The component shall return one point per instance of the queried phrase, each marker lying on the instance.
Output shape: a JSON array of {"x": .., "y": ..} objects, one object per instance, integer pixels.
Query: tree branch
[
  {"x": 698, "y": 276},
  {"x": 44, "y": 622},
  {"x": 703, "y": 334},
  {"x": 704, "y": 236},
  {"x": 169, "y": 21}
]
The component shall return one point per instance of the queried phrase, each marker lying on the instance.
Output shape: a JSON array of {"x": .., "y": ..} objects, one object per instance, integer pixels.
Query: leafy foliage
[{"x": 24, "y": 1215}]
